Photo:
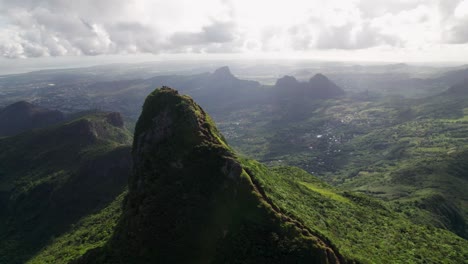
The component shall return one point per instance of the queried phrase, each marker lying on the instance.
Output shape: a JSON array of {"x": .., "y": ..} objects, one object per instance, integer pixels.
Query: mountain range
[
  {"x": 52, "y": 177},
  {"x": 81, "y": 188},
  {"x": 191, "y": 199}
]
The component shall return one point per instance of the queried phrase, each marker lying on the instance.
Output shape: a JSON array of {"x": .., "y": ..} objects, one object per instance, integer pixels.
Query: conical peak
[
  {"x": 319, "y": 78},
  {"x": 223, "y": 72},
  {"x": 169, "y": 116},
  {"x": 286, "y": 81}
]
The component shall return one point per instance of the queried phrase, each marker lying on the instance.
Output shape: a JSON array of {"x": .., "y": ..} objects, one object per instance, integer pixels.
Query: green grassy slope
[
  {"x": 50, "y": 178},
  {"x": 410, "y": 152},
  {"x": 192, "y": 200},
  {"x": 90, "y": 232},
  {"x": 362, "y": 228}
]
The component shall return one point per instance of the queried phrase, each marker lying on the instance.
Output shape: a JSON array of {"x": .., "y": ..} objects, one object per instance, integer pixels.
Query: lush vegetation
[
  {"x": 362, "y": 228},
  {"x": 53, "y": 177},
  {"x": 410, "y": 152},
  {"x": 90, "y": 232},
  {"x": 232, "y": 210},
  {"x": 191, "y": 201}
]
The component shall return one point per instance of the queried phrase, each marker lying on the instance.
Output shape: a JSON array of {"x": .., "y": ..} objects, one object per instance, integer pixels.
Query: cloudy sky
[{"x": 403, "y": 30}]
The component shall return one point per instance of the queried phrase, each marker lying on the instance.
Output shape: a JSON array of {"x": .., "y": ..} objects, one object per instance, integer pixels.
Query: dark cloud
[{"x": 218, "y": 32}]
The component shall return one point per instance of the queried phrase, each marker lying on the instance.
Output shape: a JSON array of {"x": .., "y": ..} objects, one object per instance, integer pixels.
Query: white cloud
[
  {"x": 461, "y": 10},
  {"x": 454, "y": 21},
  {"x": 35, "y": 28}
]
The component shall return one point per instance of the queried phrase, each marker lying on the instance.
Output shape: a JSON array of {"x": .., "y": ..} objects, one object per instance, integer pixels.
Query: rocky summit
[
  {"x": 318, "y": 87},
  {"x": 192, "y": 200}
]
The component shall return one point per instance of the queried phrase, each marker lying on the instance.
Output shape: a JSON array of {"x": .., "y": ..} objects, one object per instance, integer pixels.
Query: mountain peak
[
  {"x": 223, "y": 72},
  {"x": 192, "y": 200},
  {"x": 165, "y": 111},
  {"x": 324, "y": 88},
  {"x": 319, "y": 77},
  {"x": 318, "y": 87},
  {"x": 286, "y": 81},
  {"x": 20, "y": 104}
]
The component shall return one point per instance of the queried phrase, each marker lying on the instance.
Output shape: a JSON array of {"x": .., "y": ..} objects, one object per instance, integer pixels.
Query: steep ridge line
[{"x": 332, "y": 253}]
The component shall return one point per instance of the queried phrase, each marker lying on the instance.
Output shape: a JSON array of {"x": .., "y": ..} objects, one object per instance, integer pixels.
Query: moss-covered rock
[{"x": 191, "y": 199}]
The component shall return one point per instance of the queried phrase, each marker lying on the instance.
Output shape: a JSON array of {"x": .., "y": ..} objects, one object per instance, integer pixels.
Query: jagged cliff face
[{"x": 191, "y": 200}]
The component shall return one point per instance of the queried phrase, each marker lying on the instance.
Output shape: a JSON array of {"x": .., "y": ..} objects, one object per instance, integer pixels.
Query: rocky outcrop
[
  {"x": 99, "y": 126},
  {"x": 191, "y": 199},
  {"x": 318, "y": 87},
  {"x": 115, "y": 119}
]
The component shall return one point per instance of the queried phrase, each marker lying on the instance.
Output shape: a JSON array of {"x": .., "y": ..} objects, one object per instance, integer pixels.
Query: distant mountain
[
  {"x": 51, "y": 178},
  {"x": 215, "y": 90},
  {"x": 450, "y": 104},
  {"x": 220, "y": 80},
  {"x": 22, "y": 116},
  {"x": 453, "y": 77},
  {"x": 287, "y": 82},
  {"x": 321, "y": 87},
  {"x": 318, "y": 87},
  {"x": 459, "y": 88},
  {"x": 223, "y": 74}
]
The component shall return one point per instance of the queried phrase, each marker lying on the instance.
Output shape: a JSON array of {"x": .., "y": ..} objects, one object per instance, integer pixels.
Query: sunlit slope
[
  {"x": 361, "y": 227},
  {"x": 193, "y": 200},
  {"x": 410, "y": 152}
]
